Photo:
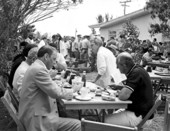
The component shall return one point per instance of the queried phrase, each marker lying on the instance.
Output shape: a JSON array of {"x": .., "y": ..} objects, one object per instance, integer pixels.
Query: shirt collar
[
  {"x": 42, "y": 63},
  {"x": 131, "y": 70}
]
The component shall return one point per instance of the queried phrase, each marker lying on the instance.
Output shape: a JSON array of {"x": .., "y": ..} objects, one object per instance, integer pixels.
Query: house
[{"x": 140, "y": 18}]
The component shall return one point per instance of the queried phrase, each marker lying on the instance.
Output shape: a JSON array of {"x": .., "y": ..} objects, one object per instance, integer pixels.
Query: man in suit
[{"x": 37, "y": 107}]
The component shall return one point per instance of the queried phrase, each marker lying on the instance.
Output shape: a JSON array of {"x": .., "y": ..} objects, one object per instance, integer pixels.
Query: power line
[{"x": 124, "y": 4}]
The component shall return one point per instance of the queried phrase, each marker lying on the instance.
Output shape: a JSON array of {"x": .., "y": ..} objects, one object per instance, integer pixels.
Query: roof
[{"x": 120, "y": 19}]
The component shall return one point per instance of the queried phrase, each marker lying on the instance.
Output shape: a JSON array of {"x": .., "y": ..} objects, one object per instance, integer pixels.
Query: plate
[
  {"x": 165, "y": 62},
  {"x": 116, "y": 86},
  {"x": 108, "y": 98},
  {"x": 87, "y": 98},
  {"x": 162, "y": 74}
]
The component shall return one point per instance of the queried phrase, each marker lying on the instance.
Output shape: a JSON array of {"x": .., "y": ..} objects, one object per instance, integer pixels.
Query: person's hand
[
  {"x": 53, "y": 73},
  {"x": 68, "y": 95}
]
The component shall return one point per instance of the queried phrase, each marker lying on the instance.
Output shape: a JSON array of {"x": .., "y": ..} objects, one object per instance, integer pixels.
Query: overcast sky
[{"x": 81, "y": 16}]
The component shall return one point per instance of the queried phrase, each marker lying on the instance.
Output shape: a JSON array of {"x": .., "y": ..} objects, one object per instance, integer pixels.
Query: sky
[{"x": 80, "y": 17}]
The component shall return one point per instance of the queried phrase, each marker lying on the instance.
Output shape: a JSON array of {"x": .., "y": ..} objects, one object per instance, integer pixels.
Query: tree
[
  {"x": 108, "y": 17},
  {"x": 19, "y": 15},
  {"x": 93, "y": 31},
  {"x": 100, "y": 19},
  {"x": 130, "y": 30},
  {"x": 159, "y": 9}
]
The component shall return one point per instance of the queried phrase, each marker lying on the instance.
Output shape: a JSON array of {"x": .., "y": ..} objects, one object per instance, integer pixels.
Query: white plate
[
  {"x": 108, "y": 98},
  {"x": 87, "y": 98}
]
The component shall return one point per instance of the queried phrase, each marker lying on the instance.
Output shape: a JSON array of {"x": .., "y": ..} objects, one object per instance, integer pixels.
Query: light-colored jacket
[{"x": 37, "y": 107}]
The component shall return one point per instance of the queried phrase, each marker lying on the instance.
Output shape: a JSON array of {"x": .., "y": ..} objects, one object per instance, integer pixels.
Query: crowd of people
[{"x": 116, "y": 61}]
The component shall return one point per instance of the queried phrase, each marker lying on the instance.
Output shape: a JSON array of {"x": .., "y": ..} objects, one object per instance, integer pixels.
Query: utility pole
[{"x": 124, "y": 3}]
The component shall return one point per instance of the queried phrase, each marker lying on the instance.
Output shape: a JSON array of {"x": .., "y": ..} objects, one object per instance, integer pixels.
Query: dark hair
[
  {"x": 168, "y": 53},
  {"x": 53, "y": 36},
  {"x": 53, "y": 45},
  {"x": 155, "y": 39},
  {"x": 27, "y": 48},
  {"x": 45, "y": 49},
  {"x": 24, "y": 43}
]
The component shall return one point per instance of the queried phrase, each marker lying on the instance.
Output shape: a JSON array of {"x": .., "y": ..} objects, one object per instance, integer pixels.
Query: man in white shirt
[
  {"x": 61, "y": 62},
  {"x": 19, "y": 74},
  {"x": 42, "y": 42},
  {"x": 106, "y": 63}
]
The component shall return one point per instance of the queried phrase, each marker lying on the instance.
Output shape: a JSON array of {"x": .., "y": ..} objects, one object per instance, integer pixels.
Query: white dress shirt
[
  {"x": 106, "y": 67},
  {"x": 18, "y": 77}
]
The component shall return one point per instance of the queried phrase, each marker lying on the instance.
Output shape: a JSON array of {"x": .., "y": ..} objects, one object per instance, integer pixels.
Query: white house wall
[{"x": 142, "y": 22}]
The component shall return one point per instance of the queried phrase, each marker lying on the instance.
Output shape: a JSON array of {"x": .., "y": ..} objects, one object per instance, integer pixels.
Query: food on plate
[{"x": 108, "y": 97}]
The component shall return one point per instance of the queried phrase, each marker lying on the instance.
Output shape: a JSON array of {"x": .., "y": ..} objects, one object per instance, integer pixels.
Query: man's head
[
  {"x": 32, "y": 55},
  {"x": 96, "y": 43},
  {"x": 48, "y": 55},
  {"x": 150, "y": 50},
  {"x": 124, "y": 62}
]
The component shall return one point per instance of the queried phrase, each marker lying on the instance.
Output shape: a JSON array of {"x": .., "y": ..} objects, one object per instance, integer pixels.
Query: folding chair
[
  {"x": 98, "y": 126},
  {"x": 6, "y": 99},
  {"x": 151, "y": 112},
  {"x": 167, "y": 116},
  {"x": 87, "y": 125},
  {"x": 13, "y": 98}
]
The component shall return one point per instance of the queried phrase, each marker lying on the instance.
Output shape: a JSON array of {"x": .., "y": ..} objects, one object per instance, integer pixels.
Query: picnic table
[{"x": 96, "y": 102}]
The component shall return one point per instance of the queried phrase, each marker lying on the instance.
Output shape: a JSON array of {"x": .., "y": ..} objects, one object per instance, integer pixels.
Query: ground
[{"x": 5, "y": 118}]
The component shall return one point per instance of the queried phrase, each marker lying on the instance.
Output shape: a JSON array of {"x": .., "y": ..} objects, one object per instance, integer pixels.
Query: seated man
[
  {"x": 19, "y": 73},
  {"x": 17, "y": 61},
  {"x": 37, "y": 106},
  {"x": 147, "y": 57},
  {"x": 137, "y": 88}
]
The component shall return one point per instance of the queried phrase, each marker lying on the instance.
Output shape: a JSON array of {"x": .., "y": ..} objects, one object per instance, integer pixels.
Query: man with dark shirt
[{"x": 137, "y": 88}]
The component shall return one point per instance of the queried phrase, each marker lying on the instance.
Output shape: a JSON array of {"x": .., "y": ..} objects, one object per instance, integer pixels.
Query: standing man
[
  {"x": 37, "y": 108},
  {"x": 137, "y": 88},
  {"x": 106, "y": 63}
]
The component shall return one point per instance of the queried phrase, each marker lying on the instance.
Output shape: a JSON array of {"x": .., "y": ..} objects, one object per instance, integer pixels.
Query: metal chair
[
  {"x": 6, "y": 99},
  {"x": 98, "y": 126},
  {"x": 87, "y": 125},
  {"x": 167, "y": 116}
]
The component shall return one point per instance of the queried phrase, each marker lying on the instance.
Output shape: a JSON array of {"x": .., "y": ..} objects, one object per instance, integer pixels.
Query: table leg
[
  {"x": 79, "y": 113},
  {"x": 103, "y": 115}
]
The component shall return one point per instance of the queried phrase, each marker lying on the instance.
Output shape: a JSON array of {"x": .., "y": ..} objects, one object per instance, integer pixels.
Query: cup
[
  {"x": 149, "y": 69},
  {"x": 84, "y": 92},
  {"x": 68, "y": 94}
]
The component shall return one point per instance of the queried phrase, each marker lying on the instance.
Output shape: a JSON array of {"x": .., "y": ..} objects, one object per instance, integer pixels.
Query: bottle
[{"x": 84, "y": 78}]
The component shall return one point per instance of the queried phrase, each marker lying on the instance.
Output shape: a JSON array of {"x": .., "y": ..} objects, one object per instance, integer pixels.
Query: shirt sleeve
[
  {"x": 46, "y": 84},
  {"x": 101, "y": 64},
  {"x": 19, "y": 83},
  {"x": 132, "y": 81}
]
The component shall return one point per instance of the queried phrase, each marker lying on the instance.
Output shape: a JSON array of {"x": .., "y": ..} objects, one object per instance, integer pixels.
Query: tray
[{"x": 162, "y": 74}]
